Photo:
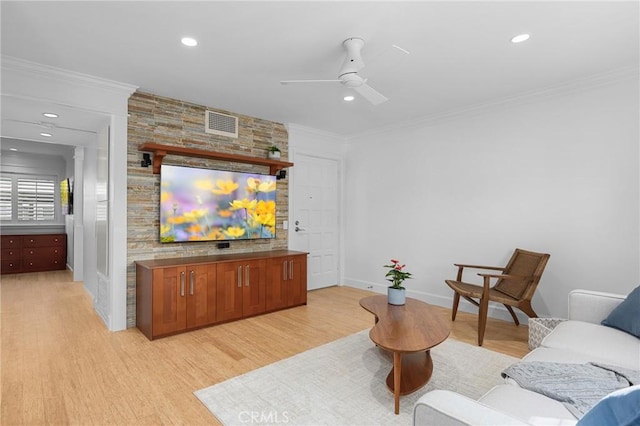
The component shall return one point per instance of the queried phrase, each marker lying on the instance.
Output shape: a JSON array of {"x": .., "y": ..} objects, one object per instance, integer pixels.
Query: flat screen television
[{"x": 207, "y": 205}]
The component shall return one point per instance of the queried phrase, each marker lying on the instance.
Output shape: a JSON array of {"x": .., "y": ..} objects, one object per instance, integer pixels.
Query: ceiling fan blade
[
  {"x": 371, "y": 94},
  {"x": 310, "y": 81}
]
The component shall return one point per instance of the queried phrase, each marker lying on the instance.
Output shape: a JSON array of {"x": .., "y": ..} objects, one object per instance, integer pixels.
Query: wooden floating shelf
[{"x": 160, "y": 151}]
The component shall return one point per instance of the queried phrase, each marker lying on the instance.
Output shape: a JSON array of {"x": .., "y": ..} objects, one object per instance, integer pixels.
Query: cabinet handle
[
  {"x": 30, "y": 251},
  {"x": 291, "y": 269},
  {"x": 191, "y": 284},
  {"x": 246, "y": 275},
  {"x": 284, "y": 270},
  {"x": 239, "y": 276},
  {"x": 182, "y": 284}
]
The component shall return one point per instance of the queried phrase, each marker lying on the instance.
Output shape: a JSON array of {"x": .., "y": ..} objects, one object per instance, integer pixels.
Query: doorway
[{"x": 314, "y": 222}]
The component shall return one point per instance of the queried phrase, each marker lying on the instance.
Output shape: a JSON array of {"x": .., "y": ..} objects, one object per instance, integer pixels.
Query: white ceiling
[{"x": 461, "y": 54}]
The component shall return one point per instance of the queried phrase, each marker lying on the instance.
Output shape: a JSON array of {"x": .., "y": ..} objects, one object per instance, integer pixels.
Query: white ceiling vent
[{"x": 221, "y": 124}]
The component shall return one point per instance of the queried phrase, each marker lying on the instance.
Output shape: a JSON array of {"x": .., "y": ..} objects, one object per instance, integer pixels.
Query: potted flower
[
  {"x": 274, "y": 152},
  {"x": 396, "y": 275}
]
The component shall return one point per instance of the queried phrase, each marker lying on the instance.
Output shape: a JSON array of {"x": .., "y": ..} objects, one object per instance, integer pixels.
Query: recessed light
[
  {"x": 50, "y": 115},
  {"x": 520, "y": 38},
  {"x": 188, "y": 41},
  {"x": 348, "y": 98},
  {"x": 48, "y": 135},
  {"x": 13, "y": 149}
]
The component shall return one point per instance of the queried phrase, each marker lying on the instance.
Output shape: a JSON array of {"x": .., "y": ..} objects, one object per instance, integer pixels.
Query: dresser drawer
[
  {"x": 43, "y": 252},
  {"x": 9, "y": 241},
  {"x": 10, "y": 266},
  {"x": 42, "y": 264},
  {"x": 11, "y": 253},
  {"x": 46, "y": 240}
]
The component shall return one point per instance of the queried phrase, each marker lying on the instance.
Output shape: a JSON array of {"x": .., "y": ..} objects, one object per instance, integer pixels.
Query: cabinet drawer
[
  {"x": 43, "y": 252},
  {"x": 40, "y": 264},
  {"x": 48, "y": 240},
  {"x": 11, "y": 253},
  {"x": 9, "y": 241},
  {"x": 10, "y": 266}
]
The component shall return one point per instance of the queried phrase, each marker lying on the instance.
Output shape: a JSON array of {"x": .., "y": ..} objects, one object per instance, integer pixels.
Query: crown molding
[
  {"x": 315, "y": 132},
  {"x": 9, "y": 63},
  {"x": 589, "y": 82}
]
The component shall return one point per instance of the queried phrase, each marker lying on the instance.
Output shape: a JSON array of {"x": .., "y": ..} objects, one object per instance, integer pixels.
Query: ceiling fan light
[{"x": 520, "y": 38}]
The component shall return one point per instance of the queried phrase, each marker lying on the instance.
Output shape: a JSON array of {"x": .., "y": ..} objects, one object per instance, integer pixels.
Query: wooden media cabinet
[{"x": 182, "y": 294}]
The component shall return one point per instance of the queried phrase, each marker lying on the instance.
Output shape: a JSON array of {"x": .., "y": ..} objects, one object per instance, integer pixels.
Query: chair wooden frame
[{"x": 516, "y": 283}]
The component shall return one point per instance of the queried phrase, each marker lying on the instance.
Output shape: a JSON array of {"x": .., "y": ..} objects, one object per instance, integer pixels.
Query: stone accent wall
[{"x": 172, "y": 122}]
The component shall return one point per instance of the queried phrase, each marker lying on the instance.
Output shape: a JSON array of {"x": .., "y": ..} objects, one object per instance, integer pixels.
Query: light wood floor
[{"x": 60, "y": 365}]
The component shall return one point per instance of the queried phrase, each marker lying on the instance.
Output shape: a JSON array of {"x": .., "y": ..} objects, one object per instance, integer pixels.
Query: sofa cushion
[
  {"x": 626, "y": 316},
  {"x": 595, "y": 341},
  {"x": 447, "y": 408},
  {"x": 560, "y": 355},
  {"x": 530, "y": 407},
  {"x": 621, "y": 407}
]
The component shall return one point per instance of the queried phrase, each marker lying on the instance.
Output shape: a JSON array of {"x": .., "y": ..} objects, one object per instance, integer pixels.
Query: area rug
[{"x": 343, "y": 383}]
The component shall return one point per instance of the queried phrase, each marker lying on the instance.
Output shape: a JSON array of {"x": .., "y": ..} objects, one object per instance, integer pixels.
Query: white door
[{"x": 314, "y": 219}]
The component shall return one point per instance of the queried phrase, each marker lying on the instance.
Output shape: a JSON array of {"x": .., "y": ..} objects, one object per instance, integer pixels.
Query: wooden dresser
[{"x": 33, "y": 253}]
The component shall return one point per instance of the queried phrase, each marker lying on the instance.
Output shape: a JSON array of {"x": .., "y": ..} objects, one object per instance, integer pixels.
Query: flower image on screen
[{"x": 204, "y": 205}]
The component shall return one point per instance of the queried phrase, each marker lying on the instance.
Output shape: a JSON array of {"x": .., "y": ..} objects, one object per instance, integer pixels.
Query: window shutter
[
  {"x": 5, "y": 198},
  {"x": 36, "y": 199}
]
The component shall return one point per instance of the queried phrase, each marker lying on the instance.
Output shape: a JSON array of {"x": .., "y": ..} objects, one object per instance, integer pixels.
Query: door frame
[{"x": 293, "y": 154}]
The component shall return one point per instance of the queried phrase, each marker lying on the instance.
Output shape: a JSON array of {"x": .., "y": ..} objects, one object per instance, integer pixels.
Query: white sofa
[{"x": 581, "y": 339}]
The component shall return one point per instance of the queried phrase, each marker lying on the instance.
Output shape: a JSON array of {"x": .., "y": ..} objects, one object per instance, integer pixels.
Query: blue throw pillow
[
  {"x": 626, "y": 316},
  {"x": 619, "y": 408}
]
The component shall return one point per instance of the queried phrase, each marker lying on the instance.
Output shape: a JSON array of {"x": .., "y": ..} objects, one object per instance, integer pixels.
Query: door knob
[{"x": 298, "y": 229}]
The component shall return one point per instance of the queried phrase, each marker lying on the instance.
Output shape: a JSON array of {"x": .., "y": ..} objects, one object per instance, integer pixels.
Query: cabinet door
[
  {"x": 229, "y": 288},
  {"x": 277, "y": 273},
  {"x": 297, "y": 281},
  {"x": 169, "y": 300},
  {"x": 201, "y": 295},
  {"x": 254, "y": 284}
]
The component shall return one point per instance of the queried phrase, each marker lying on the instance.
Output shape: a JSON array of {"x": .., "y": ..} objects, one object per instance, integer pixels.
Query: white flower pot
[
  {"x": 273, "y": 155},
  {"x": 396, "y": 296}
]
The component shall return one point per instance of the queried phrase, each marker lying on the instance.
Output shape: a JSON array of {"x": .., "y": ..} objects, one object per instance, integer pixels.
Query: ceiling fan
[{"x": 348, "y": 74}]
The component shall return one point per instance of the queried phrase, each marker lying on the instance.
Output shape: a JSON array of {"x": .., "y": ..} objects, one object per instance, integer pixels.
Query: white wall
[{"x": 556, "y": 173}]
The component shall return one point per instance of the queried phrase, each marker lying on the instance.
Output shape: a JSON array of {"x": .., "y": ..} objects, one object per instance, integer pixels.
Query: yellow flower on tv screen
[
  {"x": 243, "y": 204},
  {"x": 234, "y": 232},
  {"x": 225, "y": 187}
]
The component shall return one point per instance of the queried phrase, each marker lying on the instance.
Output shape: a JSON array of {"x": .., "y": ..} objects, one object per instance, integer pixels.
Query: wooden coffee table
[{"x": 409, "y": 331}]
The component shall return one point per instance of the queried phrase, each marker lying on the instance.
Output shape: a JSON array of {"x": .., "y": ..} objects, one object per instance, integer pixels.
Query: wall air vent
[{"x": 220, "y": 124}]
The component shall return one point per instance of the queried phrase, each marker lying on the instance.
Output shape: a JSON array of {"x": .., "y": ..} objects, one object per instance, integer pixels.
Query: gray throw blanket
[{"x": 578, "y": 386}]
